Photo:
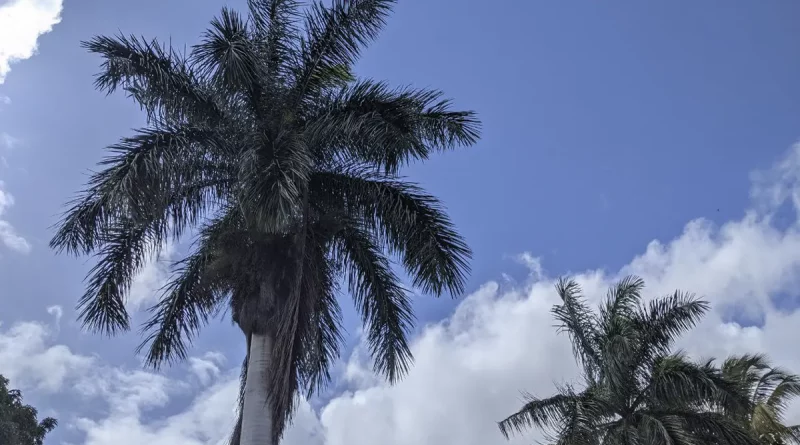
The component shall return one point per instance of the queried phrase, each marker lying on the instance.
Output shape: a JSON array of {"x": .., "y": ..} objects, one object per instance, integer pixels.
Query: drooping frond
[
  {"x": 380, "y": 298},
  {"x": 324, "y": 335},
  {"x": 540, "y": 413},
  {"x": 770, "y": 389},
  {"x": 125, "y": 248},
  {"x": 411, "y": 223},
  {"x": 164, "y": 177},
  {"x": 191, "y": 297},
  {"x": 675, "y": 381},
  {"x": 157, "y": 78}
]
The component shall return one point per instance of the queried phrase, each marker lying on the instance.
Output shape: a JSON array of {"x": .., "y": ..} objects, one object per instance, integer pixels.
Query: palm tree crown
[
  {"x": 770, "y": 390},
  {"x": 635, "y": 390},
  {"x": 263, "y": 143}
]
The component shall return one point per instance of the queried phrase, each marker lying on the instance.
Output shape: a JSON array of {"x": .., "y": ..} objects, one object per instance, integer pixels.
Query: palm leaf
[
  {"x": 388, "y": 127},
  {"x": 411, "y": 223},
  {"x": 226, "y": 54},
  {"x": 157, "y": 78},
  {"x": 575, "y": 317},
  {"x": 383, "y": 303},
  {"x": 335, "y": 36}
]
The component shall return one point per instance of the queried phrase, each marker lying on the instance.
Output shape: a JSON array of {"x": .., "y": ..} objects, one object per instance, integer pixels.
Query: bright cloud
[
  {"x": 471, "y": 367},
  {"x": 8, "y": 235},
  {"x": 21, "y": 24}
]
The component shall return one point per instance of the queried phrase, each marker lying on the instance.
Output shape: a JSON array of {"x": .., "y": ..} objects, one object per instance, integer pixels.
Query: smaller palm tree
[
  {"x": 18, "y": 422},
  {"x": 635, "y": 389},
  {"x": 770, "y": 390}
]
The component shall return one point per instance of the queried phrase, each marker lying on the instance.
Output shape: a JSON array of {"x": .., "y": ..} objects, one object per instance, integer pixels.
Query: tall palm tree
[
  {"x": 770, "y": 390},
  {"x": 285, "y": 166},
  {"x": 635, "y": 389}
]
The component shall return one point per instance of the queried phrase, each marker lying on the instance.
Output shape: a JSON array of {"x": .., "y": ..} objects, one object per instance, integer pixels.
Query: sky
[{"x": 619, "y": 137}]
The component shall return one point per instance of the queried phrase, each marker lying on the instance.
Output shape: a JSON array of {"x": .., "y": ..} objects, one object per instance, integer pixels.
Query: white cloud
[
  {"x": 207, "y": 367},
  {"x": 57, "y": 312},
  {"x": 8, "y": 235},
  {"x": 21, "y": 24},
  {"x": 5, "y": 100},
  {"x": 28, "y": 359},
  {"x": 471, "y": 367}
]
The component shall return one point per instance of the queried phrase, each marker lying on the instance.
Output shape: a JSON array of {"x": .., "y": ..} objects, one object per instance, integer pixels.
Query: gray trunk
[{"x": 256, "y": 415}]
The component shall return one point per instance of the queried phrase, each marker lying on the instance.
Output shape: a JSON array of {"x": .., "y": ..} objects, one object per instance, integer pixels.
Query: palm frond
[
  {"x": 746, "y": 370},
  {"x": 412, "y": 223},
  {"x": 380, "y": 299},
  {"x": 157, "y": 78},
  {"x": 226, "y": 54},
  {"x": 125, "y": 249},
  {"x": 160, "y": 178},
  {"x": 275, "y": 33},
  {"x": 710, "y": 427},
  {"x": 575, "y": 318},
  {"x": 335, "y": 36},
  {"x": 324, "y": 335},
  {"x": 388, "y": 127},
  {"x": 274, "y": 179},
  {"x": 784, "y": 386},
  {"x": 540, "y": 413},
  {"x": 622, "y": 300},
  {"x": 664, "y": 320},
  {"x": 191, "y": 297}
]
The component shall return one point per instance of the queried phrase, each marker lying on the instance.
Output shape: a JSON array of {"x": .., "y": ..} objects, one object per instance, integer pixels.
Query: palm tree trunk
[{"x": 256, "y": 415}]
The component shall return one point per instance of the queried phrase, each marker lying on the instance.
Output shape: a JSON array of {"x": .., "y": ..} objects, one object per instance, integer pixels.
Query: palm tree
[
  {"x": 635, "y": 390},
  {"x": 286, "y": 167},
  {"x": 770, "y": 389},
  {"x": 18, "y": 423}
]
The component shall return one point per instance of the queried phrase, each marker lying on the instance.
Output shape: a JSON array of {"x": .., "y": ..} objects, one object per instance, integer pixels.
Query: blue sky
[{"x": 606, "y": 126}]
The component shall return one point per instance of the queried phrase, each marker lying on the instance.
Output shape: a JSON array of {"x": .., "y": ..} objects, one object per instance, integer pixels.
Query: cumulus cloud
[
  {"x": 500, "y": 340},
  {"x": 22, "y": 22},
  {"x": 207, "y": 367},
  {"x": 8, "y": 235},
  {"x": 28, "y": 358}
]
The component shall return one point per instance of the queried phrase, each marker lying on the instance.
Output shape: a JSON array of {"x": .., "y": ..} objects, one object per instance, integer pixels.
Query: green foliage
[
  {"x": 286, "y": 167},
  {"x": 18, "y": 422},
  {"x": 770, "y": 389},
  {"x": 636, "y": 390}
]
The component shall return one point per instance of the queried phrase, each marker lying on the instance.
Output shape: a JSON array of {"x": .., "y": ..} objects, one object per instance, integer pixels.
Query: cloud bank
[
  {"x": 22, "y": 22},
  {"x": 470, "y": 367}
]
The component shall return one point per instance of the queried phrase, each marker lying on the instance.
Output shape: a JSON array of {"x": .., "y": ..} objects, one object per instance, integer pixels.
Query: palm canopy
[
  {"x": 263, "y": 143},
  {"x": 635, "y": 389},
  {"x": 770, "y": 390}
]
